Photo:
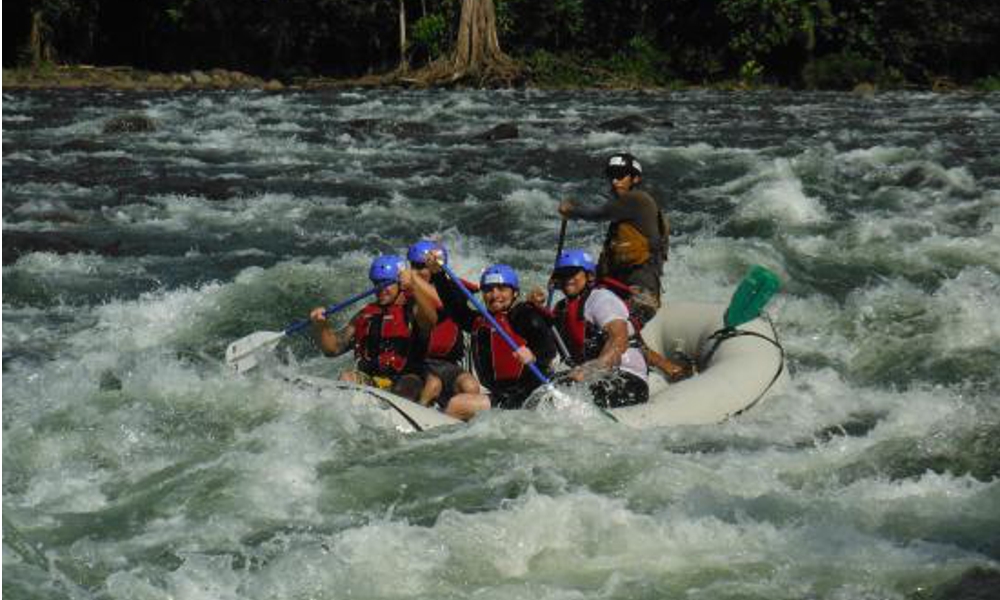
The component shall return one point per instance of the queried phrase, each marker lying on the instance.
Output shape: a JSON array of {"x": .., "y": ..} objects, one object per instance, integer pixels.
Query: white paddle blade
[{"x": 242, "y": 355}]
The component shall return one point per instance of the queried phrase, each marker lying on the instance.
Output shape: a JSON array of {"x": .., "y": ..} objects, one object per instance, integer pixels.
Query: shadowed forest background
[{"x": 827, "y": 44}]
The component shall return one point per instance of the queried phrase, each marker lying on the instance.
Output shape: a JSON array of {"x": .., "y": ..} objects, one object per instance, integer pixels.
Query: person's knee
[
  {"x": 408, "y": 386},
  {"x": 465, "y": 406},
  {"x": 432, "y": 385},
  {"x": 467, "y": 384}
]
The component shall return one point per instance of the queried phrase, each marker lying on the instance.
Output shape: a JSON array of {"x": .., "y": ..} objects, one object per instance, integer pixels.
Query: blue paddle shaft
[
  {"x": 503, "y": 334},
  {"x": 335, "y": 308}
]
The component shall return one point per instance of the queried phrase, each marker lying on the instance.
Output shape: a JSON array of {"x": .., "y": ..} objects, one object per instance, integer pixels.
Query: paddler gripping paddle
[
  {"x": 545, "y": 381},
  {"x": 243, "y": 354}
]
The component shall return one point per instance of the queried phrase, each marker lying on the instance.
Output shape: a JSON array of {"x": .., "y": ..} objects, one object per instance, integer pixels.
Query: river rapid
[{"x": 136, "y": 466}]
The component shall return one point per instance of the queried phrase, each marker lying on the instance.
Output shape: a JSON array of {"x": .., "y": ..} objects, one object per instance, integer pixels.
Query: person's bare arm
[
  {"x": 611, "y": 353},
  {"x": 426, "y": 297},
  {"x": 333, "y": 343}
]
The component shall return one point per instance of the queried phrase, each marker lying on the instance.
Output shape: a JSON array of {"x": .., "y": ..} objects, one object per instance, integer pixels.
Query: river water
[{"x": 135, "y": 466}]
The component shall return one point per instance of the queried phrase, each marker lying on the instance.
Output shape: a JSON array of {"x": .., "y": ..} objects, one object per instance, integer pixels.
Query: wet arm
[
  {"x": 334, "y": 343},
  {"x": 614, "y": 346},
  {"x": 613, "y": 210},
  {"x": 427, "y": 303}
]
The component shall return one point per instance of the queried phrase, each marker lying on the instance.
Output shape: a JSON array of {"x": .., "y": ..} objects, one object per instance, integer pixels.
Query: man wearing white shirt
[{"x": 594, "y": 321}]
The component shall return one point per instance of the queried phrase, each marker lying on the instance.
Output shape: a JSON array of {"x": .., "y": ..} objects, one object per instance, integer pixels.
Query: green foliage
[
  {"x": 751, "y": 73},
  {"x": 430, "y": 33},
  {"x": 761, "y": 26},
  {"x": 553, "y": 25},
  {"x": 841, "y": 72},
  {"x": 550, "y": 70},
  {"x": 823, "y": 43},
  {"x": 988, "y": 84},
  {"x": 642, "y": 63}
]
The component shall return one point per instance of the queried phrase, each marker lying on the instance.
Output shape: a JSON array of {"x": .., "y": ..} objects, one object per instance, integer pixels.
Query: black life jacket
[
  {"x": 583, "y": 338},
  {"x": 383, "y": 339},
  {"x": 494, "y": 361}
]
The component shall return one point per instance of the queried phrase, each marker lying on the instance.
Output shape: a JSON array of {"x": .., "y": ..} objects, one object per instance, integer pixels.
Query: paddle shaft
[
  {"x": 503, "y": 334},
  {"x": 300, "y": 325},
  {"x": 560, "y": 344},
  {"x": 559, "y": 249}
]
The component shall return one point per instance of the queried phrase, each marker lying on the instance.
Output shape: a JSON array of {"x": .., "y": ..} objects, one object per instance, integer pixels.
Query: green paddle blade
[{"x": 751, "y": 296}]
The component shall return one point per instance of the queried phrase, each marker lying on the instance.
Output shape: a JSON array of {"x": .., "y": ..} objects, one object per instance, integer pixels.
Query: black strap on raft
[{"x": 728, "y": 333}]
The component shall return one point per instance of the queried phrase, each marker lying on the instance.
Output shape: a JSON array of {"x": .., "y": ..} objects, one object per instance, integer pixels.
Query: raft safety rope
[{"x": 731, "y": 332}]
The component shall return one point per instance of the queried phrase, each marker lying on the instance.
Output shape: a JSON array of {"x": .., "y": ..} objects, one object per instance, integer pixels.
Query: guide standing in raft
[{"x": 636, "y": 244}]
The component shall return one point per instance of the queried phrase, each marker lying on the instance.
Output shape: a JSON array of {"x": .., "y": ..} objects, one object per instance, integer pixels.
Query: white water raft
[
  {"x": 742, "y": 371},
  {"x": 738, "y": 375}
]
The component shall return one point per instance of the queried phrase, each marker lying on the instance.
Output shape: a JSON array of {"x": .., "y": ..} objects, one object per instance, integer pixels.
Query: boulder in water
[
  {"x": 625, "y": 124},
  {"x": 503, "y": 131},
  {"x": 18, "y": 243}
]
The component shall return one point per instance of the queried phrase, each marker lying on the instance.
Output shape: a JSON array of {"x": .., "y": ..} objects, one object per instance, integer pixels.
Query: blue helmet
[
  {"x": 385, "y": 269},
  {"x": 499, "y": 275},
  {"x": 418, "y": 251},
  {"x": 577, "y": 258}
]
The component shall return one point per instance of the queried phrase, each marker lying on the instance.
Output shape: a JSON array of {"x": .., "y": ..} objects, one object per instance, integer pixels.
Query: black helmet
[{"x": 622, "y": 165}]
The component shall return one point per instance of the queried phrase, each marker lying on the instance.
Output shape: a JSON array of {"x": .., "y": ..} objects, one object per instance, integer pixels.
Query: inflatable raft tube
[
  {"x": 737, "y": 369},
  {"x": 736, "y": 373},
  {"x": 404, "y": 415}
]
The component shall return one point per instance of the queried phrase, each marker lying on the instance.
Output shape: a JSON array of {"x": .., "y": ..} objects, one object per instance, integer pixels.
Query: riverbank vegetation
[{"x": 814, "y": 44}]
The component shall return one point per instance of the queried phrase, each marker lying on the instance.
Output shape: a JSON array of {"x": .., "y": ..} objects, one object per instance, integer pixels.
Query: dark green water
[{"x": 136, "y": 466}]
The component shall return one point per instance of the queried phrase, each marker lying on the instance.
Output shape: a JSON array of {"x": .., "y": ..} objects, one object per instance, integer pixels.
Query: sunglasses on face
[
  {"x": 486, "y": 289},
  {"x": 417, "y": 265},
  {"x": 617, "y": 172}
]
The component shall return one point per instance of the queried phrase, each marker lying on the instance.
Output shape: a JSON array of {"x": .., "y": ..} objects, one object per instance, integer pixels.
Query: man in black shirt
[{"x": 503, "y": 371}]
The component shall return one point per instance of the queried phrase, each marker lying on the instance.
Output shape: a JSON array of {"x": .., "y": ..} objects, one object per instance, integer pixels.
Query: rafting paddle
[
  {"x": 751, "y": 296},
  {"x": 243, "y": 354},
  {"x": 503, "y": 334},
  {"x": 559, "y": 249},
  {"x": 547, "y": 385}
]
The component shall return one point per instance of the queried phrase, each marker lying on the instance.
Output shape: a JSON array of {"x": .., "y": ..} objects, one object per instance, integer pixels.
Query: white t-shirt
[{"x": 603, "y": 307}]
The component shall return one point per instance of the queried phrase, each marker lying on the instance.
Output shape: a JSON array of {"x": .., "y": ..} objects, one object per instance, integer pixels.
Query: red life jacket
[
  {"x": 495, "y": 362},
  {"x": 583, "y": 338},
  {"x": 383, "y": 339},
  {"x": 445, "y": 342}
]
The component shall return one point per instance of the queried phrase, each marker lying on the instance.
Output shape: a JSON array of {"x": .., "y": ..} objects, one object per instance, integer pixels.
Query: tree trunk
[
  {"x": 403, "y": 64},
  {"x": 477, "y": 56},
  {"x": 477, "y": 49},
  {"x": 41, "y": 49}
]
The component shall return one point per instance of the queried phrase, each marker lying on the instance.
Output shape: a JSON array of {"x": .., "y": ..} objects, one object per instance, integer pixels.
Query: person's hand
[
  {"x": 587, "y": 370},
  {"x": 434, "y": 259},
  {"x": 318, "y": 315},
  {"x": 405, "y": 279},
  {"x": 565, "y": 207},
  {"x": 536, "y": 296},
  {"x": 525, "y": 355}
]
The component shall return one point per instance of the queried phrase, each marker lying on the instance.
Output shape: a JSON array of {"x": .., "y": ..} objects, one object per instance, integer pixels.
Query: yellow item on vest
[
  {"x": 628, "y": 246},
  {"x": 382, "y": 383}
]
